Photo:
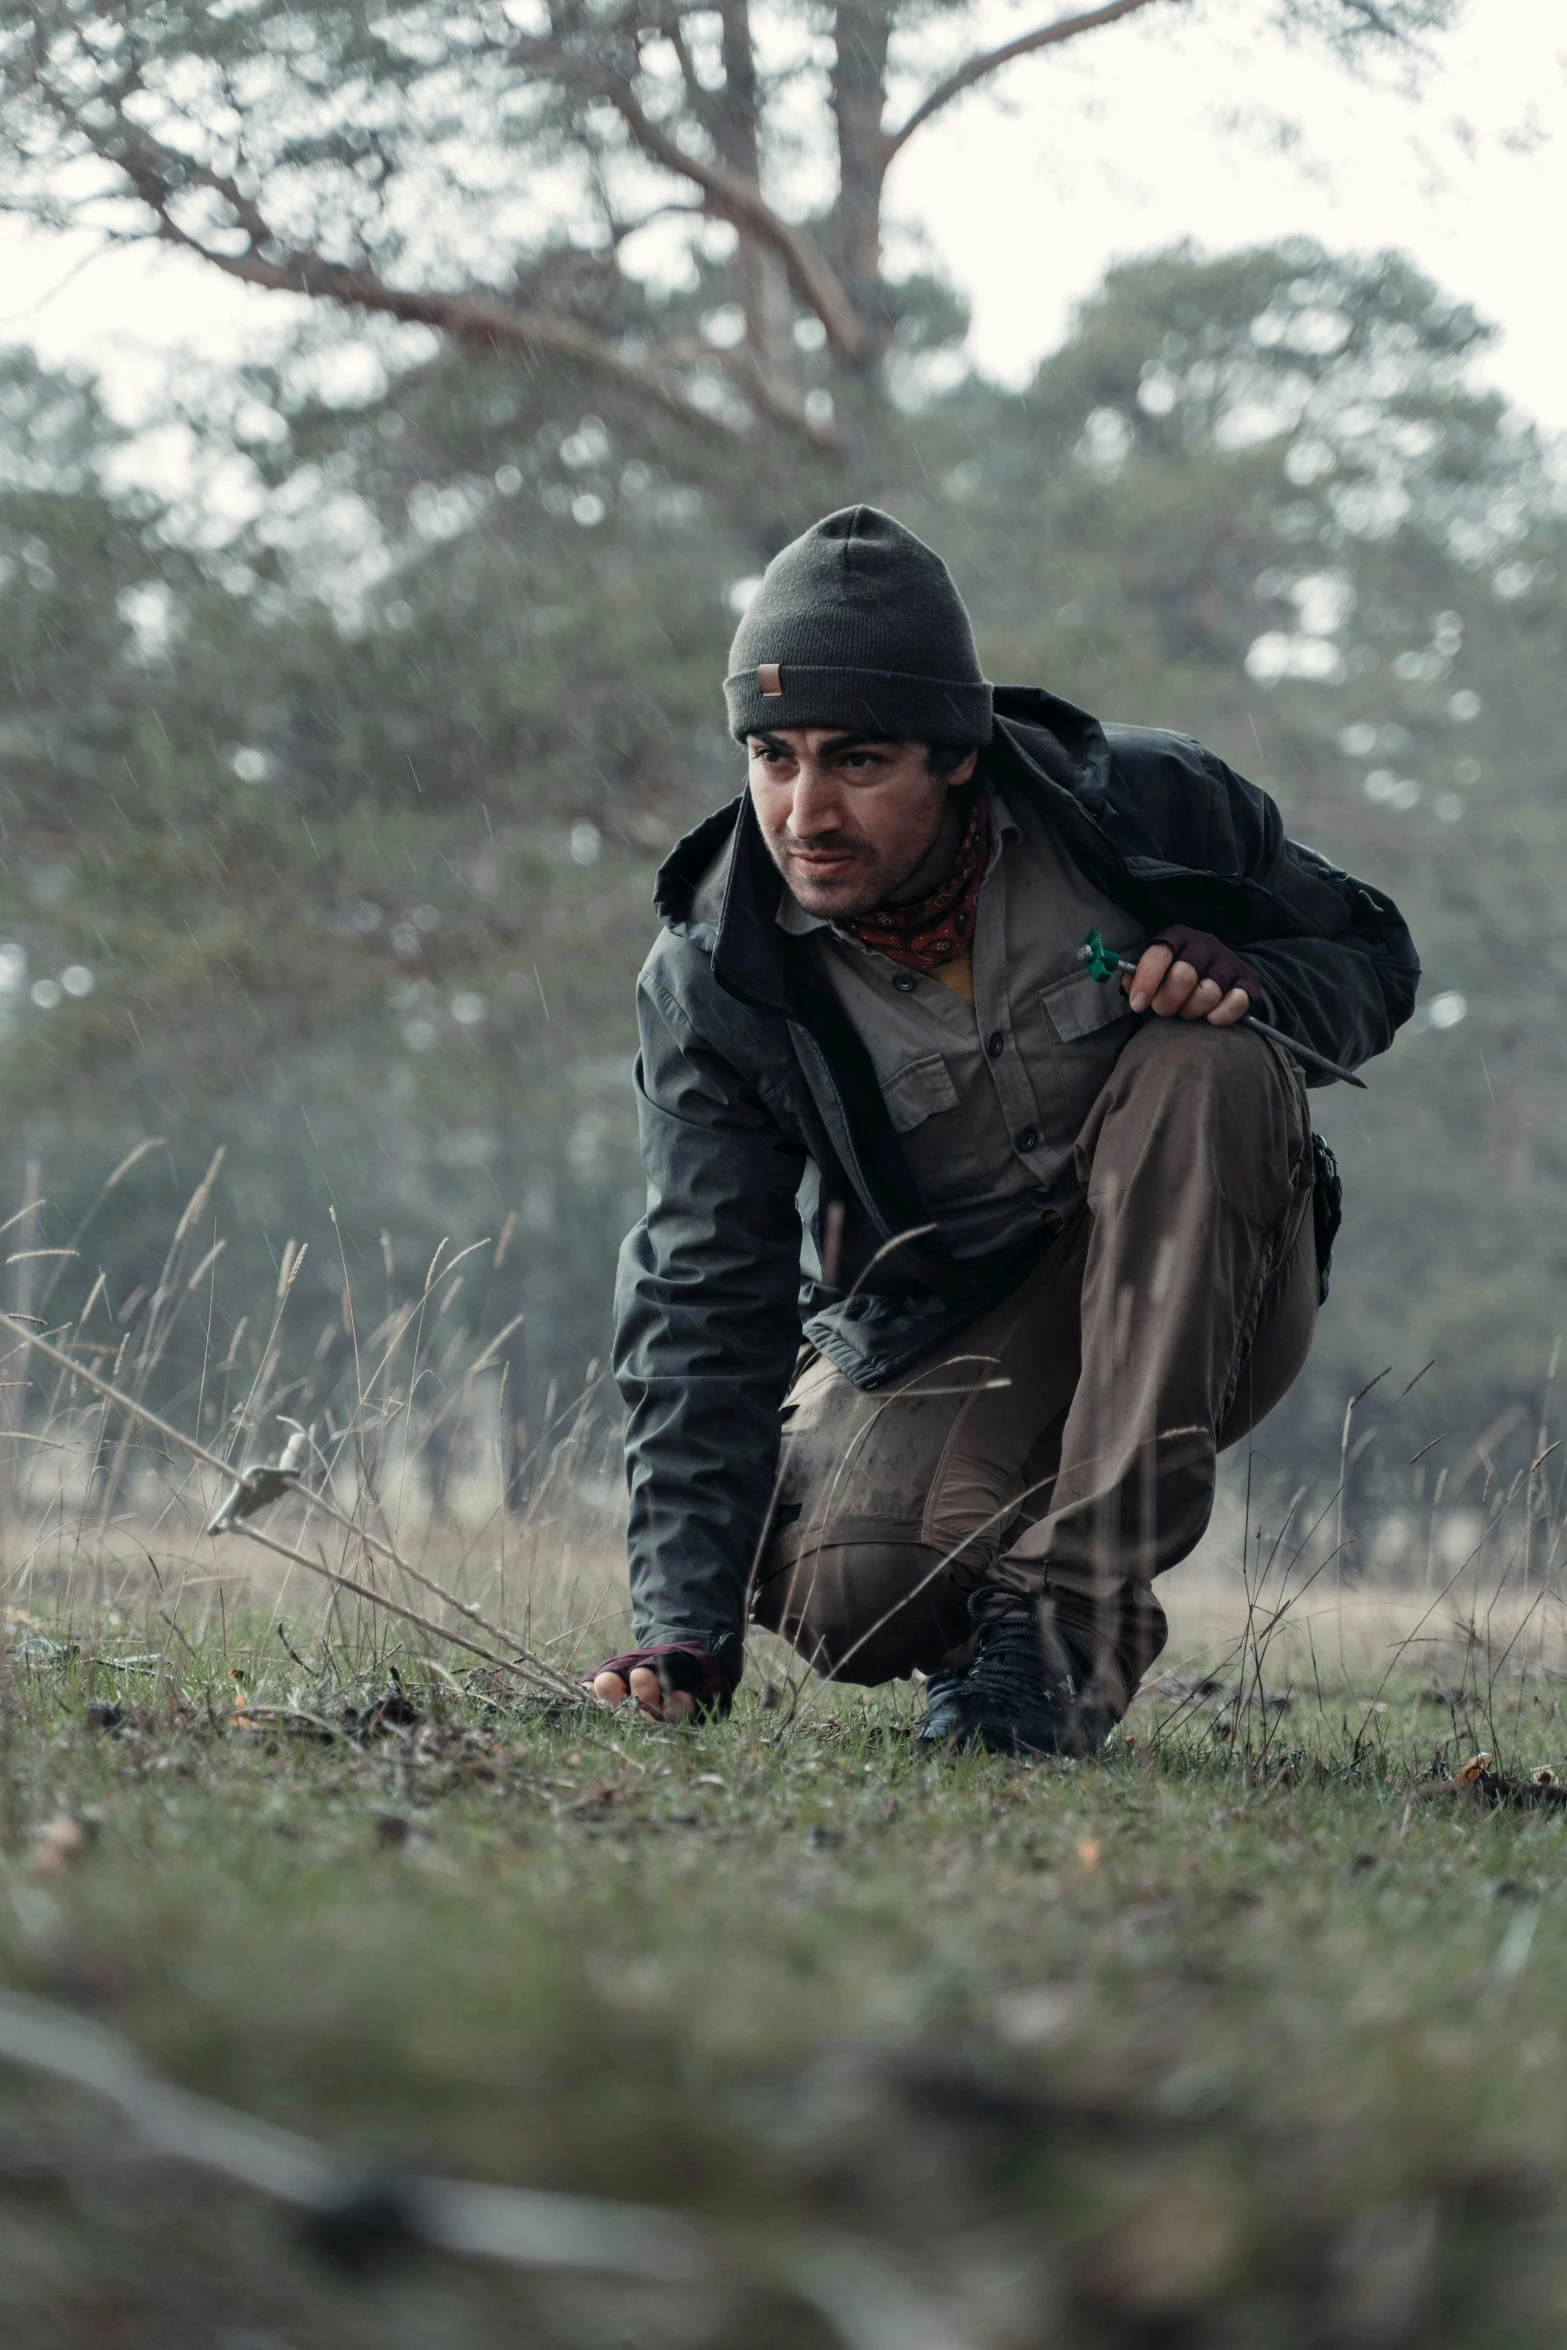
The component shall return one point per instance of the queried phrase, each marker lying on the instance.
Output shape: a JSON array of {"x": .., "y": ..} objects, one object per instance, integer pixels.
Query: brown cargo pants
[{"x": 1067, "y": 1439}]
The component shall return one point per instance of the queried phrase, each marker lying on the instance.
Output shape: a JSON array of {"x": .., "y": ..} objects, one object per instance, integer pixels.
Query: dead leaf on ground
[
  {"x": 602, "y": 1797},
  {"x": 1483, "y": 1785}
]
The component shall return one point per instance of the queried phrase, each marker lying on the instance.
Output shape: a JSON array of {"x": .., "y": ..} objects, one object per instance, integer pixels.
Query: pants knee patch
[{"x": 865, "y": 1612}]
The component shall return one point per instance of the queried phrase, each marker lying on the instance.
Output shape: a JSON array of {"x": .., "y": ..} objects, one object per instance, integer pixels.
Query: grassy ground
[{"x": 1231, "y": 2038}]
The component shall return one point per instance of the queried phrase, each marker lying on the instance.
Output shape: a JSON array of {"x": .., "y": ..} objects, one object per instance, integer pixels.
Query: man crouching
[{"x": 959, "y": 1268}]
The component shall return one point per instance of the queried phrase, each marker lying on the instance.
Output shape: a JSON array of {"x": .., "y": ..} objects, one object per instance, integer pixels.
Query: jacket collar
[
  {"x": 720, "y": 882},
  {"x": 1033, "y": 731}
]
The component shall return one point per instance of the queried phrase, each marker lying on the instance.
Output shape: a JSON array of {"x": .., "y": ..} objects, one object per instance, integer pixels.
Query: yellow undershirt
[{"x": 958, "y": 975}]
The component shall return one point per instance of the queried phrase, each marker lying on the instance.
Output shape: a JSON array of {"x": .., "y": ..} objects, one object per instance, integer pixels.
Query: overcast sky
[
  {"x": 1146, "y": 133},
  {"x": 1126, "y": 143}
]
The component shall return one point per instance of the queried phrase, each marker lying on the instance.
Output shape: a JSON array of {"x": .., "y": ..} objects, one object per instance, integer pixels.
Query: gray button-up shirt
[{"x": 988, "y": 1102}]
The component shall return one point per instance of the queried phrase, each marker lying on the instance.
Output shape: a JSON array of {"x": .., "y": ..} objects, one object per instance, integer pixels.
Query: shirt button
[
  {"x": 905, "y": 983},
  {"x": 995, "y": 1045},
  {"x": 1028, "y": 1139}
]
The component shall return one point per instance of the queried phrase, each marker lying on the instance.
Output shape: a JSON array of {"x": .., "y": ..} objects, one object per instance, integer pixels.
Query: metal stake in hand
[{"x": 1104, "y": 964}]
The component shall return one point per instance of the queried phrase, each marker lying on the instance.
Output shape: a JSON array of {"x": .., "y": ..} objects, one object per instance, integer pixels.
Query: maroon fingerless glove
[
  {"x": 680, "y": 1664},
  {"x": 1211, "y": 959}
]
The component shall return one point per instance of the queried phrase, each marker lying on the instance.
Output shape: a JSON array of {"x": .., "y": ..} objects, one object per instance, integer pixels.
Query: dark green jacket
[{"x": 759, "y": 1111}]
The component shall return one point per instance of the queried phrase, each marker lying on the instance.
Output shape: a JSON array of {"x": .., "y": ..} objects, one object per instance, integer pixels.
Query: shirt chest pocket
[
  {"x": 1080, "y": 1005},
  {"x": 918, "y": 1091}
]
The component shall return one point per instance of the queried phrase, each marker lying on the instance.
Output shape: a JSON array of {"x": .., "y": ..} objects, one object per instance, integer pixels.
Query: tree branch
[
  {"x": 988, "y": 61},
  {"x": 782, "y": 404},
  {"x": 730, "y": 195},
  {"x": 480, "y": 321},
  {"x": 157, "y": 174},
  {"x": 743, "y": 205},
  {"x": 477, "y": 320}
]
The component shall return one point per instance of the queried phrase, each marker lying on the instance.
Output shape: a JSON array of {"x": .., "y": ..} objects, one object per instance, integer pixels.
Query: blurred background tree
[
  {"x": 342, "y": 777},
  {"x": 609, "y": 190}
]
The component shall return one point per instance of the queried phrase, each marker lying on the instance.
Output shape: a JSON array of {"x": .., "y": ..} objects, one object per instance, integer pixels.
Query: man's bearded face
[{"x": 848, "y": 822}]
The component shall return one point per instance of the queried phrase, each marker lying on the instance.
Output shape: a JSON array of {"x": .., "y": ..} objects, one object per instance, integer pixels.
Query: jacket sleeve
[
  {"x": 1334, "y": 954},
  {"x": 707, "y": 1330}
]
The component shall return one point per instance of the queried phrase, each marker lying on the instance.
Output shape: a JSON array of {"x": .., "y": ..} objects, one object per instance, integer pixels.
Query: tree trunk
[
  {"x": 764, "y": 289},
  {"x": 861, "y": 31}
]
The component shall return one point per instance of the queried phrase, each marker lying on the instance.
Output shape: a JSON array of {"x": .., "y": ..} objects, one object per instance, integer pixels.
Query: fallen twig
[
  {"x": 867, "y": 2306},
  {"x": 515, "y": 2224}
]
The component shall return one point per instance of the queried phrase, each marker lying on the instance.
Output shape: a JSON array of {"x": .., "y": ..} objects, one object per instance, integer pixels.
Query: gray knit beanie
[{"x": 857, "y": 624}]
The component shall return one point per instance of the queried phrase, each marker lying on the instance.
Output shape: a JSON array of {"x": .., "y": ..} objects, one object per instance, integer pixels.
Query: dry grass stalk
[{"x": 524, "y": 1667}]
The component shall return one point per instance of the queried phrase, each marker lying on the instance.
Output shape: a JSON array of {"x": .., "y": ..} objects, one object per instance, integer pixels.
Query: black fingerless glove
[
  {"x": 680, "y": 1665},
  {"x": 1211, "y": 959}
]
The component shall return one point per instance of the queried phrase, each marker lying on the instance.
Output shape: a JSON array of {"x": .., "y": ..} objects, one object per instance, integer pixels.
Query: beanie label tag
[{"x": 769, "y": 678}]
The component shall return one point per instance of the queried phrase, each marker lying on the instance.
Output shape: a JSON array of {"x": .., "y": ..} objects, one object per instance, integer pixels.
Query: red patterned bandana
[{"x": 934, "y": 930}]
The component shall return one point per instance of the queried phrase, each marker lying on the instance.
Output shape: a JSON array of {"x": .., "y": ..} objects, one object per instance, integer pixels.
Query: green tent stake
[{"x": 1103, "y": 963}]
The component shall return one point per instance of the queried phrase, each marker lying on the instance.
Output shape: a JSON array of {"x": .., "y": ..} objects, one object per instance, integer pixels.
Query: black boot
[{"x": 1025, "y": 1693}]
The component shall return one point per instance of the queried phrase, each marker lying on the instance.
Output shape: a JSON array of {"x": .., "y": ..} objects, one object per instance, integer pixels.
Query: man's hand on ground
[
  {"x": 1169, "y": 986},
  {"x": 669, "y": 1681},
  {"x": 674, "y": 1705}
]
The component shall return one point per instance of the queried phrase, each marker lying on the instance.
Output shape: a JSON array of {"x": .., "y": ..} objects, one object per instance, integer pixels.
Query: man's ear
[{"x": 964, "y": 773}]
